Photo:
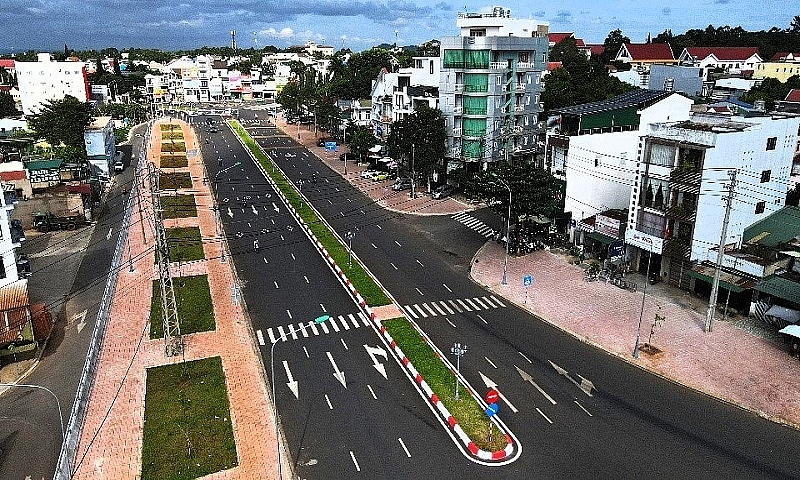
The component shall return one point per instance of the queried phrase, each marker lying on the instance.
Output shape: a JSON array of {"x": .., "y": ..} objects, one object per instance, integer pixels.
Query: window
[
  {"x": 2, "y": 268},
  {"x": 760, "y": 206},
  {"x": 477, "y": 32},
  {"x": 431, "y": 68},
  {"x": 523, "y": 57},
  {"x": 765, "y": 175},
  {"x": 418, "y": 63},
  {"x": 772, "y": 142},
  {"x": 663, "y": 155}
]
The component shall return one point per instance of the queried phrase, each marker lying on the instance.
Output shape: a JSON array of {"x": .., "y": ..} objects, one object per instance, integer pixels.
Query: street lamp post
[
  {"x": 293, "y": 330},
  {"x": 459, "y": 351},
  {"x": 413, "y": 174},
  {"x": 641, "y": 312},
  {"x": 508, "y": 231},
  {"x": 349, "y": 236}
]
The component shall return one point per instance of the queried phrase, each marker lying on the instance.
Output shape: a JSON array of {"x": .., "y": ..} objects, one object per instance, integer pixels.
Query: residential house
[
  {"x": 396, "y": 94},
  {"x": 731, "y": 88},
  {"x": 45, "y": 80},
  {"x": 490, "y": 86},
  {"x": 727, "y": 59},
  {"x": 642, "y": 56},
  {"x": 781, "y": 66},
  {"x": 791, "y": 103},
  {"x": 100, "y": 146},
  {"x": 683, "y": 174}
]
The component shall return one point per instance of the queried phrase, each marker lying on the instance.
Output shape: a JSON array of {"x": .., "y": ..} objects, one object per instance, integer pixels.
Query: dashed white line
[
  {"x": 433, "y": 314},
  {"x": 266, "y": 261},
  {"x": 421, "y": 311},
  {"x": 329, "y": 201},
  {"x": 379, "y": 227},
  {"x": 404, "y": 447},
  {"x": 344, "y": 344},
  {"x": 463, "y": 305},
  {"x": 451, "y": 323},
  {"x": 448, "y": 288},
  {"x": 393, "y": 265},
  {"x": 540, "y": 413},
  {"x": 373, "y": 245},
  {"x": 477, "y": 300},
  {"x": 358, "y": 469},
  {"x": 371, "y": 391},
  {"x": 331, "y": 406},
  {"x": 276, "y": 284},
  {"x": 498, "y": 301},
  {"x": 482, "y": 319},
  {"x": 289, "y": 313},
  {"x": 293, "y": 257},
  {"x": 398, "y": 243},
  {"x": 306, "y": 279},
  {"x": 333, "y": 323},
  {"x": 436, "y": 306},
  {"x": 581, "y": 406},
  {"x": 472, "y": 304},
  {"x": 490, "y": 362},
  {"x": 420, "y": 263},
  {"x": 281, "y": 333},
  {"x": 444, "y": 305},
  {"x": 419, "y": 291},
  {"x": 525, "y": 357},
  {"x": 323, "y": 308}
]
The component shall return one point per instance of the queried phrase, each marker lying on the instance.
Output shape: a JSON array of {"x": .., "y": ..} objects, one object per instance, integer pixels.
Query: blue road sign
[
  {"x": 492, "y": 409},
  {"x": 330, "y": 146},
  {"x": 527, "y": 280}
]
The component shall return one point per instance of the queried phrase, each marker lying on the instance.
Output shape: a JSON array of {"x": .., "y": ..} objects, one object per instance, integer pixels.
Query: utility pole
[
  {"x": 173, "y": 342},
  {"x": 413, "y": 175},
  {"x": 712, "y": 302}
]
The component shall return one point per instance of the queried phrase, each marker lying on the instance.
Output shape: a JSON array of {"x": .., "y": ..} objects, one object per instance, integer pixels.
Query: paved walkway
[{"x": 111, "y": 441}]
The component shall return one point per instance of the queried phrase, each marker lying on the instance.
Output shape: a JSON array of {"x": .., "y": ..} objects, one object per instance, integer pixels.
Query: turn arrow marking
[
  {"x": 338, "y": 374},
  {"x": 491, "y": 384},
  {"x": 528, "y": 378},
  {"x": 255, "y": 212},
  {"x": 372, "y": 351},
  {"x": 230, "y": 212},
  {"x": 292, "y": 384},
  {"x": 585, "y": 385}
]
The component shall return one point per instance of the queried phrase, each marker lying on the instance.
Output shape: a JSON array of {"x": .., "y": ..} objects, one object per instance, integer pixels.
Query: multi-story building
[
  {"x": 100, "y": 145},
  {"x": 683, "y": 175},
  {"x": 397, "y": 94},
  {"x": 45, "y": 80},
  {"x": 728, "y": 59},
  {"x": 11, "y": 235},
  {"x": 489, "y": 88}
]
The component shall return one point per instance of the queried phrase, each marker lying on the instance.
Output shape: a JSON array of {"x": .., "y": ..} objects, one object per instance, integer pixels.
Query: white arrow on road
[
  {"x": 230, "y": 212},
  {"x": 255, "y": 212},
  {"x": 338, "y": 374},
  {"x": 292, "y": 384},
  {"x": 491, "y": 384},
  {"x": 80, "y": 318},
  {"x": 110, "y": 231},
  {"x": 528, "y": 378},
  {"x": 372, "y": 351},
  {"x": 275, "y": 207},
  {"x": 584, "y": 384}
]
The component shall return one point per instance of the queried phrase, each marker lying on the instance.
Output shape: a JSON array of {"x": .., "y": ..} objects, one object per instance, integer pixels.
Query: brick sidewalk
[
  {"x": 116, "y": 450},
  {"x": 727, "y": 363}
]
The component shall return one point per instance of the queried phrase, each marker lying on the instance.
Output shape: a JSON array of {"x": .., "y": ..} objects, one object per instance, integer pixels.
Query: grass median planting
[
  {"x": 195, "y": 309},
  {"x": 174, "y": 181},
  {"x": 366, "y": 286},
  {"x": 176, "y": 160},
  {"x": 178, "y": 206},
  {"x": 185, "y": 244},
  {"x": 466, "y": 410},
  {"x": 187, "y": 421}
]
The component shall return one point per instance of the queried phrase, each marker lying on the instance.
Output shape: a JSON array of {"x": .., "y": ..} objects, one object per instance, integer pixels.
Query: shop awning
[
  {"x": 786, "y": 314},
  {"x": 780, "y": 287},
  {"x": 601, "y": 238},
  {"x": 793, "y": 330},
  {"x": 734, "y": 283}
]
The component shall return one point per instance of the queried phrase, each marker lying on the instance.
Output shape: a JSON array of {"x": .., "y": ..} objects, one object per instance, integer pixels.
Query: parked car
[
  {"x": 380, "y": 176},
  {"x": 322, "y": 141},
  {"x": 401, "y": 184},
  {"x": 348, "y": 156},
  {"x": 442, "y": 191},
  {"x": 369, "y": 173}
]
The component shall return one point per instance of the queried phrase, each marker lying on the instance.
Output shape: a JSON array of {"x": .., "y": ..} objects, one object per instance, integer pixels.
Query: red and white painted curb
[{"x": 499, "y": 457}]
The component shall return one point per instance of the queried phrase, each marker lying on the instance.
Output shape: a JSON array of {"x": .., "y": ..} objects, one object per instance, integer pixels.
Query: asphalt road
[
  {"x": 69, "y": 273},
  {"x": 632, "y": 424}
]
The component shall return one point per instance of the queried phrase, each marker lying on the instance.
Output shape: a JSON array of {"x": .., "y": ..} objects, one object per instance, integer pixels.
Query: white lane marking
[
  {"x": 293, "y": 257},
  {"x": 371, "y": 391},
  {"x": 525, "y": 357},
  {"x": 482, "y": 319},
  {"x": 448, "y": 288},
  {"x": 303, "y": 330},
  {"x": 281, "y": 333},
  {"x": 314, "y": 328},
  {"x": 421, "y": 311},
  {"x": 110, "y": 230},
  {"x": 393, "y": 265},
  {"x": 306, "y": 352},
  {"x": 458, "y": 309},
  {"x": 329, "y": 200},
  {"x": 462, "y": 304},
  {"x": 282, "y": 239},
  {"x": 410, "y": 311},
  {"x": 324, "y": 327},
  {"x": 451, "y": 323},
  {"x": 358, "y": 469},
  {"x": 331, "y": 406},
  {"x": 496, "y": 300},
  {"x": 344, "y": 344},
  {"x": 587, "y": 411},
  {"x": 490, "y": 362},
  {"x": 272, "y": 338},
  {"x": 306, "y": 279},
  {"x": 398, "y": 243},
  {"x": 364, "y": 319},
  {"x": 293, "y": 332},
  {"x": 433, "y": 314},
  {"x": 373, "y": 245},
  {"x": 266, "y": 261},
  {"x": 545, "y": 416},
  {"x": 419, "y": 291},
  {"x": 477, "y": 300},
  {"x": 436, "y": 306},
  {"x": 489, "y": 302},
  {"x": 404, "y": 447},
  {"x": 353, "y": 319},
  {"x": 379, "y": 227},
  {"x": 344, "y": 323},
  {"x": 333, "y": 323},
  {"x": 323, "y": 308},
  {"x": 472, "y": 304},
  {"x": 449, "y": 310},
  {"x": 260, "y": 337},
  {"x": 276, "y": 284},
  {"x": 420, "y": 263}
]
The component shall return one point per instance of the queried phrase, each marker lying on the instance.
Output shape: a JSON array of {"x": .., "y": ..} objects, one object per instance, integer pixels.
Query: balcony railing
[
  {"x": 688, "y": 177},
  {"x": 677, "y": 248},
  {"x": 519, "y": 109},
  {"x": 457, "y": 132},
  {"x": 498, "y": 65},
  {"x": 525, "y": 65},
  {"x": 458, "y": 110},
  {"x": 520, "y": 87},
  {"x": 687, "y": 213}
]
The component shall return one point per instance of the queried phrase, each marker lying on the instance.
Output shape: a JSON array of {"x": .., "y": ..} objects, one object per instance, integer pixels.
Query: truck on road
[{"x": 46, "y": 221}]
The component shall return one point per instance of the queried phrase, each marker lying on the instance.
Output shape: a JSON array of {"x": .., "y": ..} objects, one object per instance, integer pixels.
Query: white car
[{"x": 369, "y": 173}]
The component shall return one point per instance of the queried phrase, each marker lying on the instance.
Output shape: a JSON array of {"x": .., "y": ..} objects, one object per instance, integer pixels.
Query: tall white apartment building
[{"x": 46, "y": 80}]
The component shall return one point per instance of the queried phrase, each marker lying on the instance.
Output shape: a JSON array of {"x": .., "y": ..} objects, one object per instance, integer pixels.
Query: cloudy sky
[{"x": 356, "y": 24}]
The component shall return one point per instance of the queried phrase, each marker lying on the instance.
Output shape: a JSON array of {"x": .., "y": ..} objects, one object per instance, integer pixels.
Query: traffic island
[
  {"x": 185, "y": 244},
  {"x": 187, "y": 421},
  {"x": 195, "y": 308}
]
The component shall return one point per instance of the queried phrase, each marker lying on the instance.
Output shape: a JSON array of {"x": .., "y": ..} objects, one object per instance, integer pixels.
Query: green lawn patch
[
  {"x": 187, "y": 422},
  {"x": 174, "y": 181},
  {"x": 176, "y": 134},
  {"x": 178, "y": 206},
  {"x": 362, "y": 281},
  {"x": 166, "y": 127},
  {"x": 176, "y": 160},
  {"x": 466, "y": 410},
  {"x": 172, "y": 146},
  {"x": 185, "y": 244},
  {"x": 193, "y": 299}
]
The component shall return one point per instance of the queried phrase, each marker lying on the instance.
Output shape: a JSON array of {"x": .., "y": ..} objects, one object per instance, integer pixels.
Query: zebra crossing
[
  {"x": 305, "y": 330},
  {"x": 451, "y": 307},
  {"x": 471, "y": 222}
]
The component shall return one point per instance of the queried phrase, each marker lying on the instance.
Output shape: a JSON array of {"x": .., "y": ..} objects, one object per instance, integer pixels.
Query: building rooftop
[
  {"x": 722, "y": 53},
  {"x": 779, "y": 228},
  {"x": 636, "y": 98}
]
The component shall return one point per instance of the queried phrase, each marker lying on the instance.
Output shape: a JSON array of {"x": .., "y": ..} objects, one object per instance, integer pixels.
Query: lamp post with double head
[{"x": 508, "y": 229}]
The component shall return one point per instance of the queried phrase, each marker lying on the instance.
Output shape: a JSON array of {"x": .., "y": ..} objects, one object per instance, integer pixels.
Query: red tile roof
[
  {"x": 556, "y": 37},
  {"x": 597, "y": 49},
  {"x": 650, "y": 51},
  {"x": 781, "y": 56},
  {"x": 722, "y": 53},
  {"x": 793, "y": 96},
  {"x": 553, "y": 65},
  {"x": 6, "y": 63},
  {"x": 579, "y": 42}
]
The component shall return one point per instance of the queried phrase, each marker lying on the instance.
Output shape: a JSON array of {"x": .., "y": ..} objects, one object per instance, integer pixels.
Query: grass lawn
[
  {"x": 166, "y": 127},
  {"x": 195, "y": 310},
  {"x": 178, "y": 206},
  {"x": 187, "y": 421},
  {"x": 174, "y": 181},
  {"x": 176, "y": 134},
  {"x": 171, "y": 146},
  {"x": 185, "y": 244},
  {"x": 365, "y": 285},
  {"x": 466, "y": 410},
  {"x": 174, "y": 161}
]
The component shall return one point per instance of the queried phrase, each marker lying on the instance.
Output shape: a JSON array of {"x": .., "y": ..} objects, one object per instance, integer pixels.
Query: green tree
[
  {"x": 360, "y": 141},
  {"x": 8, "y": 107},
  {"x": 794, "y": 27},
  {"x": 62, "y": 122},
  {"x": 420, "y": 137},
  {"x": 771, "y": 90},
  {"x": 612, "y": 44}
]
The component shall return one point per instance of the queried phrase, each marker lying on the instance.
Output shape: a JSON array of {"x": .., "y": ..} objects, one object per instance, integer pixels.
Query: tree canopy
[
  {"x": 62, "y": 122},
  {"x": 423, "y": 135},
  {"x": 770, "y": 90},
  {"x": 8, "y": 107}
]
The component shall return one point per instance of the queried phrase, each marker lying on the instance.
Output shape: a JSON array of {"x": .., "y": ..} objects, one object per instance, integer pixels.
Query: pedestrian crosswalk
[
  {"x": 304, "y": 330},
  {"x": 475, "y": 224},
  {"x": 451, "y": 307}
]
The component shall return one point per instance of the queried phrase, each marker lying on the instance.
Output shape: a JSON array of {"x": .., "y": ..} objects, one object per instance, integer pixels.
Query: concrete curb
[{"x": 497, "y": 458}]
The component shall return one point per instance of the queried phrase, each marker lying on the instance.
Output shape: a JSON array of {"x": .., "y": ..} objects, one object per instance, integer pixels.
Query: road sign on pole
[
  {"x": 527, "y": 281},
  {"x": 492, "y": 409},
  {"x": 492, "y": 396},
  {"x": 458, "y": 350}
]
